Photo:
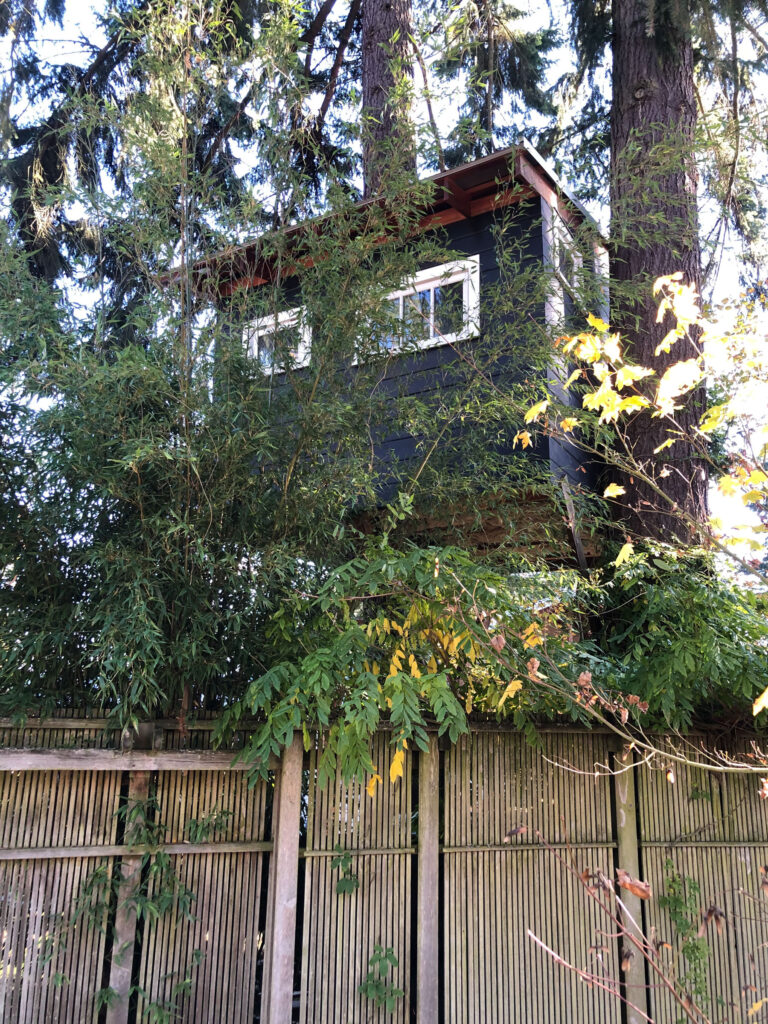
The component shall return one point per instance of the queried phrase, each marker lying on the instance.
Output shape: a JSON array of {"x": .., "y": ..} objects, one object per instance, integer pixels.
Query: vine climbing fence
[{"x": 157, "y": 884}]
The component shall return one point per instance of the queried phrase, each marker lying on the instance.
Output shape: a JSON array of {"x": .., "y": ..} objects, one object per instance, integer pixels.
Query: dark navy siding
[{"x": 427, "y": 374}]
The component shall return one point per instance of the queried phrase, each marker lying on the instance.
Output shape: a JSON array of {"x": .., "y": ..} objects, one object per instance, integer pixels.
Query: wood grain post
[
  {"x": 428, "y": 874},
  {"x": 629, "y": 859},
  {"x": 283, "y": 889},
  {"x": 124, "y": 935}
]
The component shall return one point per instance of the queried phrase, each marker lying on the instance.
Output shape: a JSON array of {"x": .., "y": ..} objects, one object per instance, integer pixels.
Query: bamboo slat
[
  {"x": 494, "y": 892},
  {"x": 203, "y": 969},
  {"x": 61, "y": 845},
  {"x": 710, "y": 835},
  {"x": 53, "y": 911},
  {"x": 340, "y": 931}
]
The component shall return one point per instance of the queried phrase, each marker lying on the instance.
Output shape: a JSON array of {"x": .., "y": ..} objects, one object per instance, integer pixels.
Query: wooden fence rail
[{"x": 162, "y": 880}]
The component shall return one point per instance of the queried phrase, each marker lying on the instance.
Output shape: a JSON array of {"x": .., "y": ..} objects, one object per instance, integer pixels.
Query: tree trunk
[
  {"x": 386, "y": 48},
  {"x": 654, "y": 232}
]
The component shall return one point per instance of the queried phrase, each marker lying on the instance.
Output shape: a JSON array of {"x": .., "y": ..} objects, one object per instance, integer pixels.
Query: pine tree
[
  {"x": 655, "y": 233},
  {"x": 386, "y": 131},
  {"x": 654, "y": 111}
]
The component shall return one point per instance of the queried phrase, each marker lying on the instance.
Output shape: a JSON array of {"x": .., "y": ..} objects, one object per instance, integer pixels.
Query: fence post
[
  {"x": 283, "y": 889},
  {"x": 427, "y": 951},
  {"x": 124, "y": 934},
  {"x": 628, "y": 853}
]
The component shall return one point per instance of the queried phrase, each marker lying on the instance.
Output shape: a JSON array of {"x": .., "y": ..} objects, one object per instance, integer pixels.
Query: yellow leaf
[
  {"x": 536, "y": 410},
  {"x": 605, "y": 399},
  {"x": 613, "y": 491},
  {"x": 568, "y": 424},
  {"x": 396, "y": 767},
  {"x": 372, "y": 783},
  {"x": 629, "y": 374},
  {"x": 752, "y": 496},
  {"x": 468, "y": 703},
  {"x": 623, "y": 555},
  {"x": 758, "y": 477},
  {"x": 727, "y": 485},
  {"x": 597, "y": 324},
  {"x": 510, "y": 691},
  {"x": 761, "y": 703},
  {"x": 679, "y": 378},
  {"x": 713, "y": 417},
  {"x": 532, "y": 636},
  {"x": 413, "y": 667},
  {"x": 396, "y": 664},
  {"x": 669, "y": 339},
  {"x": 523, "y": 437},
  {"x": 756, "y": 1007},
  {"x": 432, "y": 665},
  {"x": 574, "y": 376},
  {"x": 612, "y": 348},
  {"x": 664, "y": 444},
  {"x": 587, "y": 348},
  {"x": 633, "y": 402}
]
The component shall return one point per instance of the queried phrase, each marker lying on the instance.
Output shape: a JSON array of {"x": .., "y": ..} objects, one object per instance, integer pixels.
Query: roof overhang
[{"x": 500, "y": 179}]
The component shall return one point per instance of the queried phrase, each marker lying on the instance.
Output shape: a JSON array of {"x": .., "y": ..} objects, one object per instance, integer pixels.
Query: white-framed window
[
  {"x": 271, "y": 339},
  {"x": 562, "y": 256},
  {"x": 437, "y": 306}
]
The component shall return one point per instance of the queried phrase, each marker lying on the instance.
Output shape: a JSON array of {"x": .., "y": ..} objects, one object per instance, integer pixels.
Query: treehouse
[{"x": 400, "y": 343}]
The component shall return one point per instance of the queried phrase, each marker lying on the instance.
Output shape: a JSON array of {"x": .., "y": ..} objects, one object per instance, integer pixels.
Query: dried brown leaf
[{"x": 633, "y": 885}]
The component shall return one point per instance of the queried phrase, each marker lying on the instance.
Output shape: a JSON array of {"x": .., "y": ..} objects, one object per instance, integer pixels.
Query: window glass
[
  {"x": 440, "y": 308},
  {"x": 277, "y": 339},
  {"x": 449, "y": 309},
  {"x": 417, "y": 315}
]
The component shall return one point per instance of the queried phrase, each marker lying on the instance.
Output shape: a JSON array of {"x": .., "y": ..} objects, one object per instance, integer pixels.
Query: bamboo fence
[{"x": 223, "y": 906}]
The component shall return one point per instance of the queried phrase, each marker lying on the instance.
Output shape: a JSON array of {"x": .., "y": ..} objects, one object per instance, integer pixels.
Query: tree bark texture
[
  {"x": 654, "y": 232},
  {"x": 386, "y": 49}
]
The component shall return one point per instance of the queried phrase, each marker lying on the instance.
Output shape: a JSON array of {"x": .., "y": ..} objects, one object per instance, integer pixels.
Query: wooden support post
[
  {"x": 124, "y": 935},
  {"x": 283, "y": 889},
  {"x": 427, "y": 952},
  {"x": 629, "y": 859}
]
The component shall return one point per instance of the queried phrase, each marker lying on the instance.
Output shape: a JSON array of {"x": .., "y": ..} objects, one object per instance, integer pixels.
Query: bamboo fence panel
[
  {"x": 709, "y": 831},
  {"x": 205, "y": 966},
  {"x": 61, "y": 843},
  {"x": 340, "y": 931},
  {"x": 51, "y": 956},
  {"x": 494, "y": 892},
  {"x": 75, "y": 730}
]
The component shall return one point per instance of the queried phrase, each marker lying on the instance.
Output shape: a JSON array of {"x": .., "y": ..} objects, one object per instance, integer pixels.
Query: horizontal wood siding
[{"x": 436, "y": 375}]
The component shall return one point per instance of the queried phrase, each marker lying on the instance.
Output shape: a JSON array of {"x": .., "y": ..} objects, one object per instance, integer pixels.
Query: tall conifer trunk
[
  {"x": 654, "y": 232},
  {"x": 386, "y": 30}
]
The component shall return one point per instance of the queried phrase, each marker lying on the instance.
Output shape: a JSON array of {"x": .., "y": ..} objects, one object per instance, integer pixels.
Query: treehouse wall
[
  {"x": 440, "y": 374},
  {"x": 430, "y": 404}
]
